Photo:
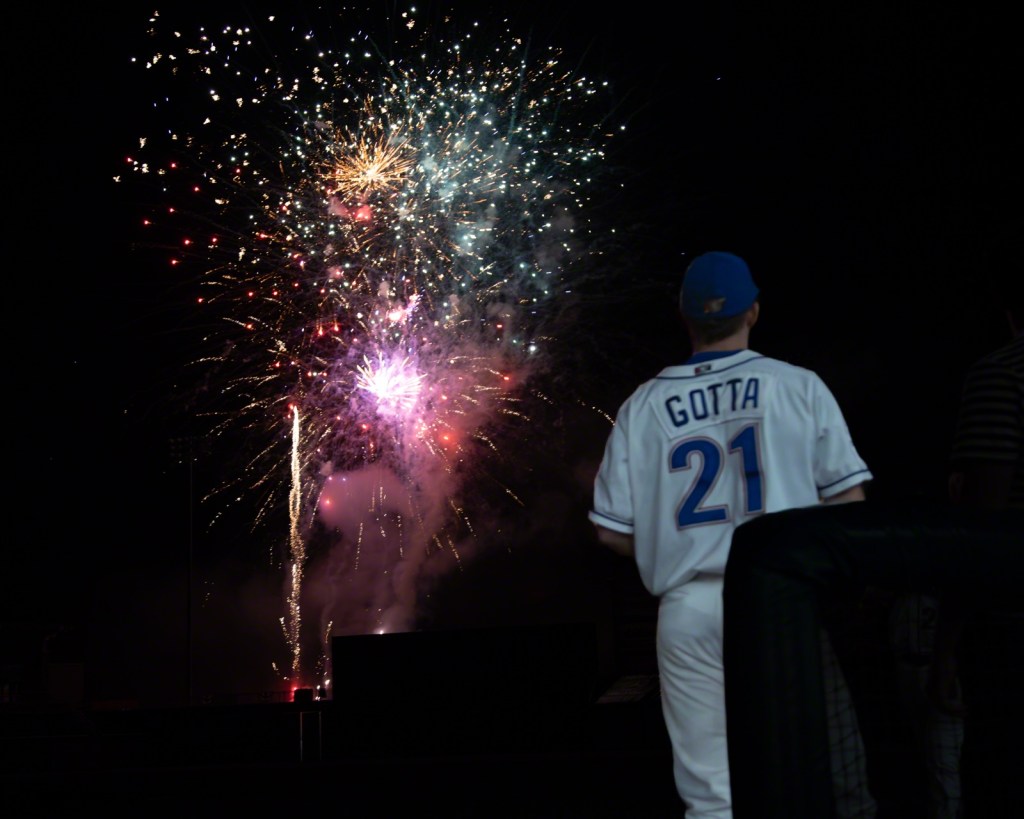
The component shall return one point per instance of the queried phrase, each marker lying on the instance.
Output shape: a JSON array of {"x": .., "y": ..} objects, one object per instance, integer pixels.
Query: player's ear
[{"x": 752, "y": 314}]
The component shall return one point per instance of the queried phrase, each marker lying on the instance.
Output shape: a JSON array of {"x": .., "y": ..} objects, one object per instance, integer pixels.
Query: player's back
[{"x": 719, "y": 440}]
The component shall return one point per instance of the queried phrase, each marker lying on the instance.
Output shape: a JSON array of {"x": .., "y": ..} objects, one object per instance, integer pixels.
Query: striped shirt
[{"x": 990, "y": 424}]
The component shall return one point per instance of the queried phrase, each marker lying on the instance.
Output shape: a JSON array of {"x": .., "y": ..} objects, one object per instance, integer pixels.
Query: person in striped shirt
[{"x": 977, "y": 672}]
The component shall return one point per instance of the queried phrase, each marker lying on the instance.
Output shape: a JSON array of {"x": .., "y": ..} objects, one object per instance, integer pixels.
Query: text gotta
[{"x": 711, "y": 400}]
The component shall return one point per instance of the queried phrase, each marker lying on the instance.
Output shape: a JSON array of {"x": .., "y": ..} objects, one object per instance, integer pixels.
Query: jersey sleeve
[
  {"x": 613, "y": 497},
  {"x": 837, "y": 464}
]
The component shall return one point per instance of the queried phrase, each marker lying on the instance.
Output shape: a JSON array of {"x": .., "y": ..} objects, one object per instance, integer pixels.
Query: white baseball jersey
[{"x": 704, "y": 446}]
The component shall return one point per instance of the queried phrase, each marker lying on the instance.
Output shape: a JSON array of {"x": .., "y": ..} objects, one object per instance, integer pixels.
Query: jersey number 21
[{"x": 712, "y": 462}]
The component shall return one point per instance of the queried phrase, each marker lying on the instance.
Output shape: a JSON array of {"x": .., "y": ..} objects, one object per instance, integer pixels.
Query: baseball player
[{"x": 694, "y": 452}]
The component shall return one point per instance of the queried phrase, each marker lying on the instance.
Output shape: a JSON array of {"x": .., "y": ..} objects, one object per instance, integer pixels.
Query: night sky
[{"x": 864, "y": 161}]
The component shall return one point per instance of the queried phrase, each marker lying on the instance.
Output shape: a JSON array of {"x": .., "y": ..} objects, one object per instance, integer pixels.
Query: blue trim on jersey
[
  {"x": 717, "y": 370},
  {"x": 710, "y": 355},
  {"x": 830, "y": 485},
  {"x": 611, "y": 518}
]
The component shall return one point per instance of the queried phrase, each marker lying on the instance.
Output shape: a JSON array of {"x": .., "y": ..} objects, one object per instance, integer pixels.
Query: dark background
[{"x": 864, "y": 160}]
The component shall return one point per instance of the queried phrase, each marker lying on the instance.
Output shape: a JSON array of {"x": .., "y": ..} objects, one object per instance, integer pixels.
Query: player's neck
[{"x": 733, "y": 343}]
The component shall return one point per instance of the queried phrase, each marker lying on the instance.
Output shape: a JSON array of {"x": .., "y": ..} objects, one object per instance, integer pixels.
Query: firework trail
[{"x": 382, "y": 238}]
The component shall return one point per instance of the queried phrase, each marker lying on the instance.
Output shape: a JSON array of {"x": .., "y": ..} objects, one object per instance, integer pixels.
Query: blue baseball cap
[{"x": 717, "y": 285}]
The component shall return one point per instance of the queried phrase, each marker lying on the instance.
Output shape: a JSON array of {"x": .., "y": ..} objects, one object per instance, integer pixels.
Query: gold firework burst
[{"x": 367, "y": 166}]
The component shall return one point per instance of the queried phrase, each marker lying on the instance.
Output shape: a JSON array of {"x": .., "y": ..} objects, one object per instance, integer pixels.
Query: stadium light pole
[{"x": 183, "y": 448}]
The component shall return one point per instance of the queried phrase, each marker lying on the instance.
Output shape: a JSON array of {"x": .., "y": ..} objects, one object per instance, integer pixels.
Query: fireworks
[{"x": 382, "y": 243}]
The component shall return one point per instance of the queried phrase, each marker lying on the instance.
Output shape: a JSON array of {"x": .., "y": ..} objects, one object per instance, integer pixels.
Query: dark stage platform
[
  {"x": 497, "y": 758},
  {"x": 496, "y": 722}
]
